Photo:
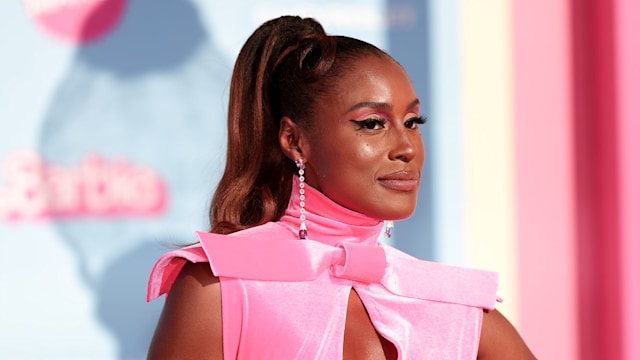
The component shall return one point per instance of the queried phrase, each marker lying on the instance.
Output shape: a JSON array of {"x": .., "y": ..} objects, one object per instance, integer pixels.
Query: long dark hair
[{"x": 284, "y": 68}]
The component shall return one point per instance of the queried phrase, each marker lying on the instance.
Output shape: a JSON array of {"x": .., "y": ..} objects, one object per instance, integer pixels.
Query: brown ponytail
[
  {"x": 285, "y": 66},
  {"x": 256, "y": 183}
]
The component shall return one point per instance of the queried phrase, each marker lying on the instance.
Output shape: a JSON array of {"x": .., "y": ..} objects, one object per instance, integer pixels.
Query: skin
[
  {"x": 190, "y": 326},
  {"x": 373, "y": 169}
]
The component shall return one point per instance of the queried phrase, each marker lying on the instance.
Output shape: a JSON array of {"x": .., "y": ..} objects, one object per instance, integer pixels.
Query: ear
[{"x": 291, "y": 139}]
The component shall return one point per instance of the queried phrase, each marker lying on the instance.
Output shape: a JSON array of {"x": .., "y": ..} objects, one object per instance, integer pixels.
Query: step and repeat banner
[{"x": 112, "y": 139}]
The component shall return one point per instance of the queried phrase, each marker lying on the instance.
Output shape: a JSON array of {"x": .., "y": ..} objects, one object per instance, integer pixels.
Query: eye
[
  {"x": 370, "y": 124},
  {"x": 414, "y": 122}
]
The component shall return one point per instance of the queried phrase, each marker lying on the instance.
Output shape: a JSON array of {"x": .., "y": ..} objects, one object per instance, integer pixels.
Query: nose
[{"x": 405, "y": 145}]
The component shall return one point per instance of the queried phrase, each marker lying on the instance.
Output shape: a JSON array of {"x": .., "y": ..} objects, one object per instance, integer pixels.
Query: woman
[{"x": 323, "y": 146}]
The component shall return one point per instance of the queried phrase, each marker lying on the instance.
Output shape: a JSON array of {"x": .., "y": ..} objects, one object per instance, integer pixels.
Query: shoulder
[
  {"x": 500, "y": 340},
  {"x": 196, "y": 279},
  {"x": 191, "y": 318}
]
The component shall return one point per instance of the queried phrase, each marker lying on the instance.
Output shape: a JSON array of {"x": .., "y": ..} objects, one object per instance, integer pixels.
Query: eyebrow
[{"x": 379, "y": 105}]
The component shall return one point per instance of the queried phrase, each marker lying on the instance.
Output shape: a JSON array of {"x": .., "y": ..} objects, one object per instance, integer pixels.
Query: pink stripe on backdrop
[
  {"x": 545, "y": 178},
  {"x": 628, "y": 78},
  {"x": 597, "y": 179}
]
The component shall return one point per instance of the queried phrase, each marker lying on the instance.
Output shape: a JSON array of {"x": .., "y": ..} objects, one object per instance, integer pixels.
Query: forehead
[{"x": 372, "y": 79}]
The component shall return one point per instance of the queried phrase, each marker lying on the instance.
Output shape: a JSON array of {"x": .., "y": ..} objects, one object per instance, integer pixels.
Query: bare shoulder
[
  {"x": 500, "y": 340},
  {"x": 190, "y": 326}
]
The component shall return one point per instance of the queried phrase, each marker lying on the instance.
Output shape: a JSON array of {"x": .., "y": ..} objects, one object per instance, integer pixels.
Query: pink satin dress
[{"x": 285, "y": 298}]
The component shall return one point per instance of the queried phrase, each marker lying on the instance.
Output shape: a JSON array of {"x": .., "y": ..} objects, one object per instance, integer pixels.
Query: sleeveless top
[{"x": 285, "y": 298}]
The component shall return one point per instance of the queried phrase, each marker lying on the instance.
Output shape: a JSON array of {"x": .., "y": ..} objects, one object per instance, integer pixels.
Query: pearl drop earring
[{"x": 302, "y": 234}]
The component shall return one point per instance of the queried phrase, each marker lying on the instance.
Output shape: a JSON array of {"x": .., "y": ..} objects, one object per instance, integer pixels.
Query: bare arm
[
  {"x": 500, "y": 340},
  {"x": 190, "y": 326}
]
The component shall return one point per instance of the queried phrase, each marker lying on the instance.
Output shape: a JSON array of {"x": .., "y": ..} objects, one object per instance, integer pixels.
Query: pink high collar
[{"x": 328, "y": 222}]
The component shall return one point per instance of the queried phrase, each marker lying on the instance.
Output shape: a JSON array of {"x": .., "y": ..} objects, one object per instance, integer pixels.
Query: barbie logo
[
  {"x": 95, "y": 187},
  {"x": 76, "y": 21}
]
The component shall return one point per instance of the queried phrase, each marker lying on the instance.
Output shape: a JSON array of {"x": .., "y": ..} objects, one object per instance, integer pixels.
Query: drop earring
[
  {"x": 302, "y": 234},
  {"x": 388, "y": 229}
]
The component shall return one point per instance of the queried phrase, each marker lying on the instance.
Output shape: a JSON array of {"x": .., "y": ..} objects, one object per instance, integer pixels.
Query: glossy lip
[{"x": 403, "y": 180}]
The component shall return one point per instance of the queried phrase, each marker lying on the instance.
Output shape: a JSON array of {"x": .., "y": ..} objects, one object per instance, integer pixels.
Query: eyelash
[
  {"x": 372, "y": 123},
  {"x": 366, "y": 123},
  {"x": 418, "y": 120}
]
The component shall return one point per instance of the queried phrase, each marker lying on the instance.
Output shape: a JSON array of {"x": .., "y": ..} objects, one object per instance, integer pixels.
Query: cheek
[
  {"x": 421, "y": 152},
  {"x": 359, "y": 160},
  {"x": 365, "y": 152},
  {"x": 337, "y": 155}
]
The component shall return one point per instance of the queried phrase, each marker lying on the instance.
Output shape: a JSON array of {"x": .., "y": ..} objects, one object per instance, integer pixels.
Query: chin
[
  {"x": 402, "y": 210},
  {"x": 400, "y": 217},
  {"x": 397, "y": 214}
]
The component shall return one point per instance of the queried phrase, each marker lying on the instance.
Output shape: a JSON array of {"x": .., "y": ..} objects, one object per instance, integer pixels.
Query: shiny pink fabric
[{"x": 284, "y": 298}]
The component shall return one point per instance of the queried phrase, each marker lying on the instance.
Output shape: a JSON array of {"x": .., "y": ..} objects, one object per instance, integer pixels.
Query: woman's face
[{"x": 365, "y": 151}]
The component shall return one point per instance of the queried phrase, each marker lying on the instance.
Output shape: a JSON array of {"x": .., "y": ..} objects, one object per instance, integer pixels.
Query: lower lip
[{"x": 399, "y": 185}]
